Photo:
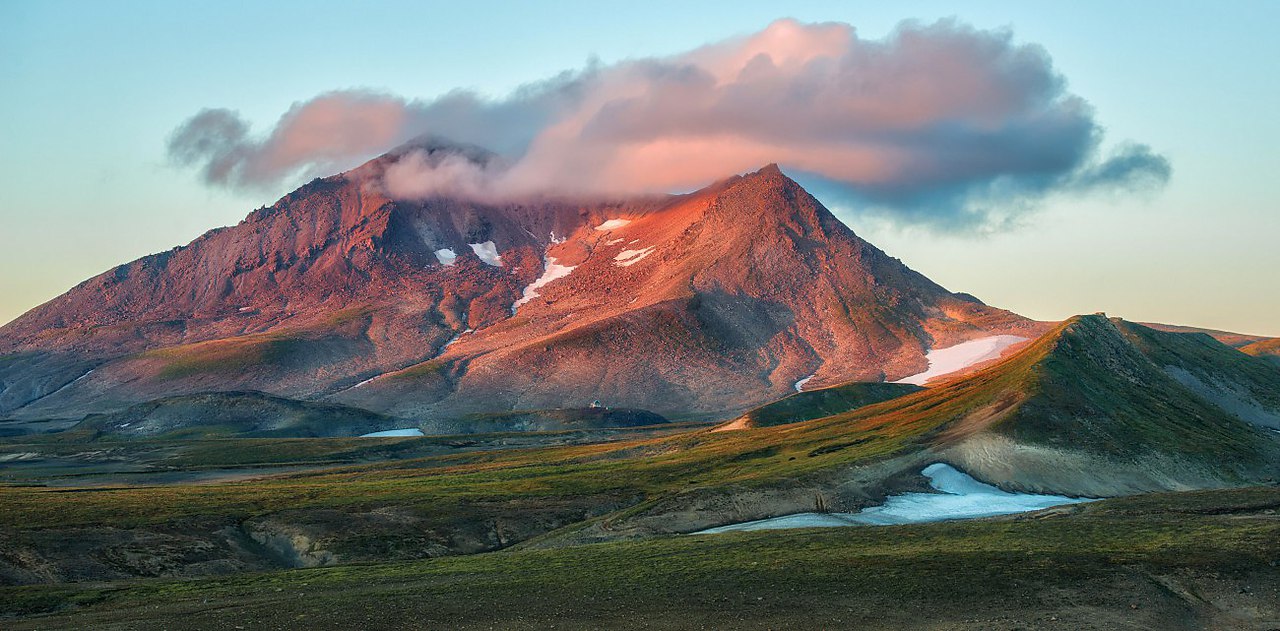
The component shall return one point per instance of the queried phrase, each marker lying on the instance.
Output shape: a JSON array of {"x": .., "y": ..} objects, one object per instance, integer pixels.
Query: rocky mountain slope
[{"x": 696, "y": 305}]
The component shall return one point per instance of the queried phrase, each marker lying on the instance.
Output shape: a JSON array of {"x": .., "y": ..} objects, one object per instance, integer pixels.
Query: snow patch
[
  {"x": 551, "y": 271},
  {"x": 800, "y": 384},
  {"x": 613, "y": 224},
  {"x": 488, "y": 252},
  {"x": 71, "y": 383},
  {"x": 447, "y": 256},
  {"x": 366, "y": 381},
  {"x": 412, "y": 431},
  {"x": 557, "y": 240},
  {"x": 960, "y": 497},
  {"x": 627, "y": 258},
  {"x": 613, "y": 242},
  {"x": 944, "y": 361}
]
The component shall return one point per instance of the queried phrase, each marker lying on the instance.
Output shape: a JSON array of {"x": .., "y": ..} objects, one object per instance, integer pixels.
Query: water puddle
[{"x": 959, "y": 497}]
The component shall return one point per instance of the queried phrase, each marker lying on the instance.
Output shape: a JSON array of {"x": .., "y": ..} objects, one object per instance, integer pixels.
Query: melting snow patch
[
  {"x": 447, "y": 256},
  {"x": 944, "y": 361},
  {"x": 960, "y": 497},
  {"x": 613, "y": 242},
  {"x": 800, "y": 384},
  {"x": 365, "y": 381},
  {"x": 627, "y": 258},
  {"x": 394, "y": 432},
  {"x": 552, "y": 271},
  {"x": 488, "y": 252},
  {"x": 613, "y": 224},
  {"x": 71, "y": 383}
]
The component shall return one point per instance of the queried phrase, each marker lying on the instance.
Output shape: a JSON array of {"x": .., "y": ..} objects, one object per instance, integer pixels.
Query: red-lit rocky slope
[{"x": 691, "y": 305}]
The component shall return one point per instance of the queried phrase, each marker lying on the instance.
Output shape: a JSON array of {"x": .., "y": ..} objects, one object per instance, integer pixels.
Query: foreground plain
[{"x": 1191, "y": 560}]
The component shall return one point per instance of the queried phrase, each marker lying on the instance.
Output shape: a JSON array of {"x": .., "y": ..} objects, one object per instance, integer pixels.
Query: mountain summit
[{"x": 695, "y": 305}]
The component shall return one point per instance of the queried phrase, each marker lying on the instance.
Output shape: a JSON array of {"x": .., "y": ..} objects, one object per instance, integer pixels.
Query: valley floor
[{"x": 1163, "y": 561}]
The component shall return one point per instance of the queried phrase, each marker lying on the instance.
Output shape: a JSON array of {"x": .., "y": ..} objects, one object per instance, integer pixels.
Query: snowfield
[
  {"x": 394, "y": 432},
  {"x": 627, "y": 258},
  {"x": 960, "y": 497},
  {"x": 799, "y": 385},
  {"x": 446, "y": 256},
  {"x": 613, "y": 224},
  {"x": 944, "y": 361},
  {"x": 488, "y": 252},
  {"x": 551, "y": 271}
]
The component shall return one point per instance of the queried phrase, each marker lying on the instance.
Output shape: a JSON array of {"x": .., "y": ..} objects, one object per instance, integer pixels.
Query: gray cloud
[{"x": 939, "y": 124}]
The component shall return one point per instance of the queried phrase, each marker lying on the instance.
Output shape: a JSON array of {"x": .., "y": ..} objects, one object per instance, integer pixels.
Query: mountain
[
  {"x": 1103, "y": 407},
  {"x": 697, "y": 305}
]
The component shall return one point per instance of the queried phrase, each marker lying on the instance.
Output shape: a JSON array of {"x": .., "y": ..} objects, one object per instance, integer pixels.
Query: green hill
[
  {"x": 238, "y": 414},
  {"x": 812, "y": 404}
]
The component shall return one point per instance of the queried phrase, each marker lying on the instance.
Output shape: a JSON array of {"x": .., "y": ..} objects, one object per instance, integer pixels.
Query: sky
[{"x": 95, "y": 93}]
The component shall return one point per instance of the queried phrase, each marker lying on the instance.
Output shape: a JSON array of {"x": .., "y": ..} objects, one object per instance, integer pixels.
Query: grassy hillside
[
  {"x": 243, "y": 414},
  {"x": 1099, "y": 386},
  {"x": 809, "y": 405},
  {"x": 1170, "y": 561}
]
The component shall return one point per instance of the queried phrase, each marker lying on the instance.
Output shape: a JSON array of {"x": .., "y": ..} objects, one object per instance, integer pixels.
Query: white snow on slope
[
  {"x": 627, "y": 258},
  {"x": 366, "y": 381},
  {"x": 960, "y": 497},
  {"x": 613, "y": 224},
  {"x": 447, "y": 256},
  {"x": 800, "y": 384},
  {"x": 71, "y": 383},
  {"x": 413, "y": 431},
  {"x": 552, "y": 271},
  {"x": 944, "y": 361},
  {"x": 488, "y": 252}
]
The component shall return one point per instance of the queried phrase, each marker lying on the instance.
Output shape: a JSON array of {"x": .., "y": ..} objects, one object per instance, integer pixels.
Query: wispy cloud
[{"x": 939, "y": 124}]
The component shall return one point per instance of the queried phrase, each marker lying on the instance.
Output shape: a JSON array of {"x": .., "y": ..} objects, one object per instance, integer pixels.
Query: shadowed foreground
[{"x": 1168, "y": 561}]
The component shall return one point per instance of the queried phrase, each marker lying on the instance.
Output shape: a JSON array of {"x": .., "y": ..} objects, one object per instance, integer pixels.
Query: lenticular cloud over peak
[{"x": 939, "y": 124}]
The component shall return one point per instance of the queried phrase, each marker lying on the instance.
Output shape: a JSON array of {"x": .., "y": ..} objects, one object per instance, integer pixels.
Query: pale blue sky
[{"x": 91, "y": 91}]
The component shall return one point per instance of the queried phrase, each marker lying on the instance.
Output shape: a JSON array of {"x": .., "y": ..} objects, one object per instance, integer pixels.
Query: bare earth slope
[{"x": 703, "y": 304}]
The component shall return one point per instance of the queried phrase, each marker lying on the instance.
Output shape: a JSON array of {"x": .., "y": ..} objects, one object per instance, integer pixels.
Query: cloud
[{"x": 938, "y": 124}]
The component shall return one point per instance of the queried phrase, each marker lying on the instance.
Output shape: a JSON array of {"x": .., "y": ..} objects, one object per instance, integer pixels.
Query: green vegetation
[
  {"x": 1094, "y": 386},
  {"x": 1157, "y": 561},
  {"x": 227, "y": 414},
  {"x": 812, "y": 404},
  {"x": 225, "y": 355},
  {"x": 1025, "y": 396},
  {"x": 431, "y": 368}
]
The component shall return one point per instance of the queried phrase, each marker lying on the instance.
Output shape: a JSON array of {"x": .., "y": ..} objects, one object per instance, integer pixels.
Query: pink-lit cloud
[{"x": 936, "y": 124}]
